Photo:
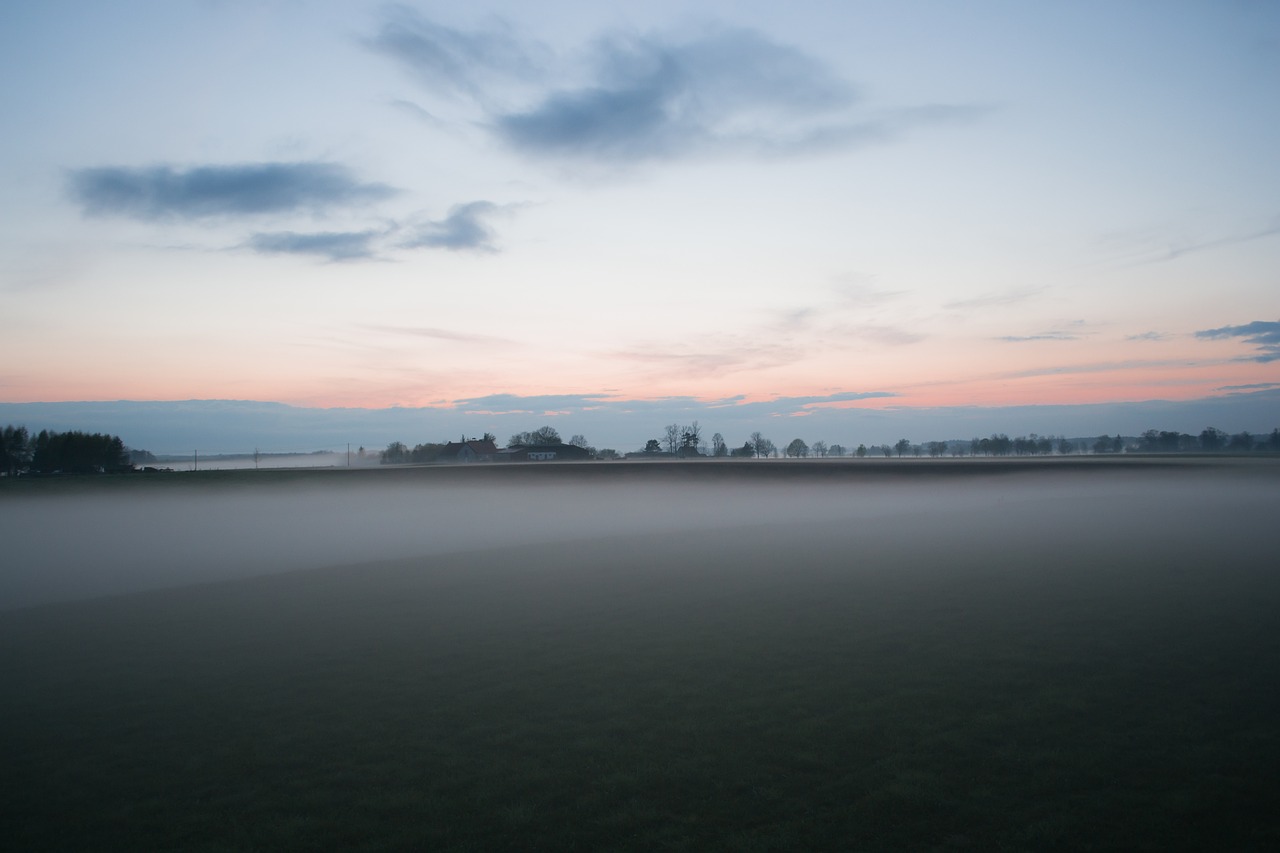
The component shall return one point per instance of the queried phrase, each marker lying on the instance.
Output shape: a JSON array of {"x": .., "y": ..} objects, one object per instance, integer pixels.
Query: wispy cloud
[
  {"x": 440, "y": 334},
  {"x": 1255, "y": 386},
  {"x": 1263, "y": 334},
  {"x": 464, "y": 229},
  {"x": 1163, "y": 244},
  {"x": 1043, "y": 336},
  {"x": 651, "y": 96},
  {"x": 452, "y": 60},
  {"x": 1067, "y": 330},
  {"x": 332, "y": 245},
  {"x": 156, "y": 193},
  {"x": 994, "y": 300},
  {"x": 1149, "y": 336}
]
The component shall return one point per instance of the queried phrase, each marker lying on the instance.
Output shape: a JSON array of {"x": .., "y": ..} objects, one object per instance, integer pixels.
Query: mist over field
[
  {"x": 66, "y": 544},
  {"x": 907, "y": 654}
]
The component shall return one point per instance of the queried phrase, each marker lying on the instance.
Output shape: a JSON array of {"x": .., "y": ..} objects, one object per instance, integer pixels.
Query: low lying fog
[{"x": 100, "y": 542}]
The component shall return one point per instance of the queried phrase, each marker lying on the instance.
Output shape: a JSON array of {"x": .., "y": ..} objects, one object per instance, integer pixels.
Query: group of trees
[
  {"x": 757, "y": 446},
  {"x": 1210, "y": 440},
  {"x": 397, "y": 453},
  {"x": 67, "y": 452},
  {"x": 687, "y": 440}
]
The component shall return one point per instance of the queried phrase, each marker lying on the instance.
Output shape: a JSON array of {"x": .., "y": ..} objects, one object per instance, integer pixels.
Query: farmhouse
[
  {"x": 468, "y": 451},
  {"x": 543, "y": 453}
]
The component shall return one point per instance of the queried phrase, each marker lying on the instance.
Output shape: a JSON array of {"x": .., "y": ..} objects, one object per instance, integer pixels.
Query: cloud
[
  {"x": 463, "y": 229},
  {"x": 1067, "y": 330},
  {"x": 1251, "y": 387},
  {"x": 333, "y": 245},
  {"x": 440, "y": 334},
  {"x": 994, "y": 300},
  {"x": 156, "y": 193},
  {"x": 538, "y": 403},
  {"x": 1263, "y": 334},
  {"x": 1149, "y": 336},
  {"x": 1161, "y": 245},
  {"x": 449, "y": 59},
  {"x": 1045, "y": 336},
  {"x": 650, "y": 96}
]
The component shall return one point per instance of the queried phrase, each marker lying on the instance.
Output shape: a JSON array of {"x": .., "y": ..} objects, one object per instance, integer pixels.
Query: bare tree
[
  {"x": 672, "y": 435},
  {"x": 718, "y": 447},
  {"x": 819, "y": 449},
  {"x": 761, "y": 445},
  {"x": 691, "y": 435}
]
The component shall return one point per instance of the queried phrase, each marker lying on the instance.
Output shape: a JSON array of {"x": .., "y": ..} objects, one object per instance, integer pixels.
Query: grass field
[{"x": 1051, "y": 658}]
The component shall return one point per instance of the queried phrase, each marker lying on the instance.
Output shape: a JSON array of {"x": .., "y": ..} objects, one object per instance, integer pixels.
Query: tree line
[
  {"x": 71, "y": 452},
  {"x": 689, "y": 441},
  {"x": 398, "y": 453}
]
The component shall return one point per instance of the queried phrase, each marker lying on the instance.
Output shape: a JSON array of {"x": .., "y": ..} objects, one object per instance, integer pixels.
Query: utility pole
[
  {"x": 195, "y": 460},
  {"x": 348, "y": 454}
]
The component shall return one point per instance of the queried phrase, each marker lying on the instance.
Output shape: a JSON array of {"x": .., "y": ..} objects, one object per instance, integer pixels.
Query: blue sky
[{"x": 673, "y": 208}]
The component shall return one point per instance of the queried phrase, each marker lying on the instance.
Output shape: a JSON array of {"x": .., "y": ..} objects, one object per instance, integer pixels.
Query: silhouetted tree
[
  {"x": 1241, "y": 442},
  {"x": 861, "y": 451},
  {"x": 15, "y": 449},
  {"x": 819, "y": 449},
  {"x": 78, "y": 453},
  {"x": 937, "y": 448},
  {"x": 541, "y": 435},
  {"x": 797, "y": 448},
  {"x": 718, "y": 447},
  {"x": 1212, "y": 439},
  {"x": 903, "y": 446},
  {"x": 746, "y": 451},
  {"x": 395, "y": 454},
  {"x": 653, "y": 446},
  {"x": 691, "y": 436},
  {"x": 837, "y": 450}
]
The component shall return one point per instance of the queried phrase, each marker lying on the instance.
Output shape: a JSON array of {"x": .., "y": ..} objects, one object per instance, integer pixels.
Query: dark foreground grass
[{"x": 1104, "y": 681}]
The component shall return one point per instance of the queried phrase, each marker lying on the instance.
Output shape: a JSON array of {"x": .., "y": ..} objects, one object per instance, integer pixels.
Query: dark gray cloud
[
  {"x": 1264, "y": 334},
  {"x": 650, "y": 96},
  {"x": 463, "y": 229},
  {"x": 332, "y": 245},
  {"x": 162, "y": 192},
  {"x": 449, "y": 59}
]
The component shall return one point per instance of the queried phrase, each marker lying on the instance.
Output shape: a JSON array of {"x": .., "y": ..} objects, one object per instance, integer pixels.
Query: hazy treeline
[
  {"x": 689, "y": 441},
  {"x": 398, "y": 453},
  {"x": 70, "y": 452}
]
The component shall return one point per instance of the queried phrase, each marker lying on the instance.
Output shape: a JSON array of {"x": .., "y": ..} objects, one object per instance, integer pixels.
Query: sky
[{"x": 501, "y": 215}]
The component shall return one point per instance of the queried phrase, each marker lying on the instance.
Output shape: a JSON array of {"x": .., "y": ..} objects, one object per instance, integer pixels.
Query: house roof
[{"x": 480, "y": 447}]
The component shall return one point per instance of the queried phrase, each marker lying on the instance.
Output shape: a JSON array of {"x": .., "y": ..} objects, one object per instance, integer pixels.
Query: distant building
[
  {"x": 543, "y": 453},
  {"x": 468, "y": 451}
]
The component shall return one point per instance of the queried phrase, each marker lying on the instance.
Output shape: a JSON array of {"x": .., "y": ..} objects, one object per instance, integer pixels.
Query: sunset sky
[{"x": 502, "y": 210}]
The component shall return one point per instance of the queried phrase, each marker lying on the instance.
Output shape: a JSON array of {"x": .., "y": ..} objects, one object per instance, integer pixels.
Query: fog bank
[{"x": 61, "y": 546}]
